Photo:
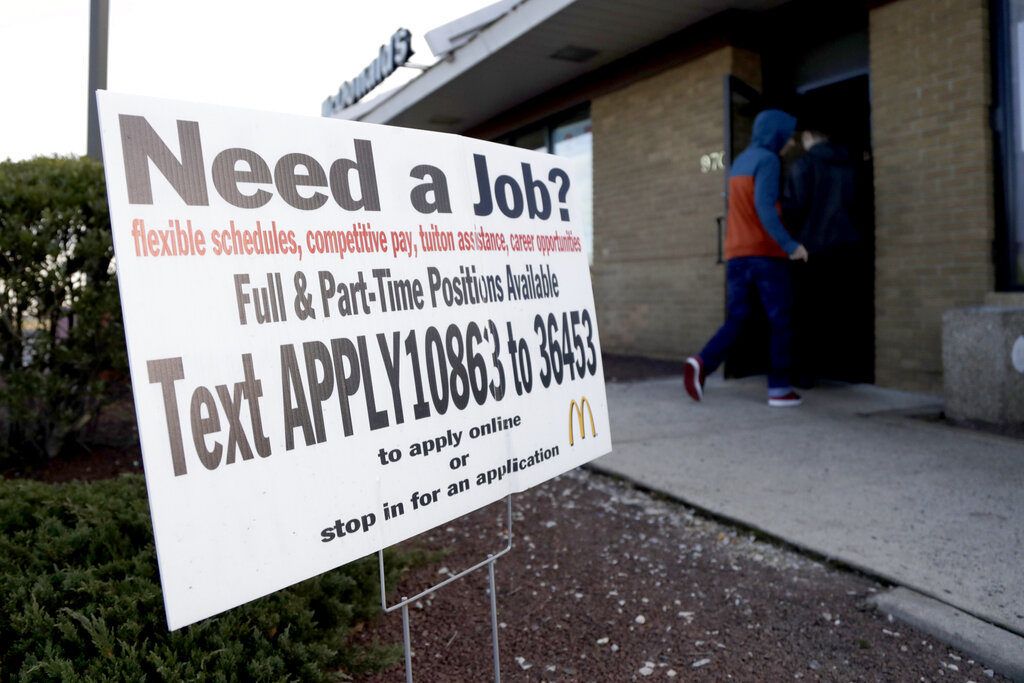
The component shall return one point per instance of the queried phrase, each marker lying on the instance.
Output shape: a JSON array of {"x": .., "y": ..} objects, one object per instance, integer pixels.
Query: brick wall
[
  {"x": 657, "y": 288},
  {"x": 933, "y": 178}
]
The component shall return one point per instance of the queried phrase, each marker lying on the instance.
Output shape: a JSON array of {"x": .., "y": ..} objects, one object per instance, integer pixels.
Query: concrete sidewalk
[{"x": 937, "y": 509}]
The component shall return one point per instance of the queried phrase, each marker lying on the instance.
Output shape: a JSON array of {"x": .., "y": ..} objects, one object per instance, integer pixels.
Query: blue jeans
[{"x": 768, "y": 279}]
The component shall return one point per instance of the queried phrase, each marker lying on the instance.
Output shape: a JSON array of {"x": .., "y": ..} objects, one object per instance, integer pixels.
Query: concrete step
[{"x": 996, "y": 648}]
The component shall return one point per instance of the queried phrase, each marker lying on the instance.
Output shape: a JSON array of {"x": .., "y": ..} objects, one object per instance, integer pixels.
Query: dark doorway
[
  {"x": 749, "y": 354},
  {"x": 822, "y": 77},
  {"x": 834, "y": 290}
]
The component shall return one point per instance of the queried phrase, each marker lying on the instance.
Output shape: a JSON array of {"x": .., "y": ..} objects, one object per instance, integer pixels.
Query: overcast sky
[{"x": 276, "y": 55}]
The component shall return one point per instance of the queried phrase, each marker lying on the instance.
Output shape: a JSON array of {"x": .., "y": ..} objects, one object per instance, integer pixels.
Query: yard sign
[{"x": 340, "y": 335}]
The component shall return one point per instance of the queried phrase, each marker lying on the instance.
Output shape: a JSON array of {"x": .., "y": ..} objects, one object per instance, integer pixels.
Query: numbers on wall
[{"x": 712, "y": 161}]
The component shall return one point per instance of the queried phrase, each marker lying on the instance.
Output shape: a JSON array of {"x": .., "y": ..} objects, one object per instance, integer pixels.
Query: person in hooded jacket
[
  {"x": 819, "y": 205},
  {"x": 757, "y": 251}
]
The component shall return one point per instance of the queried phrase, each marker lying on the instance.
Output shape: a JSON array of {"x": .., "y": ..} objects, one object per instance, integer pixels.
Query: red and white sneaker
[
  {"x": 693, "y": 377},
  {"x": 790, "y": 400}
]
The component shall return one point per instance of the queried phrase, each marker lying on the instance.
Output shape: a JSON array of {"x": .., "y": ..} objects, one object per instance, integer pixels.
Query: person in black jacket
[{"x": 821, "y": 209}]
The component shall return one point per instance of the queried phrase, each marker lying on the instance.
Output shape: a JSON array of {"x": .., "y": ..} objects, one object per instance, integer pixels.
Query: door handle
[{"x": 720, "y": 222}]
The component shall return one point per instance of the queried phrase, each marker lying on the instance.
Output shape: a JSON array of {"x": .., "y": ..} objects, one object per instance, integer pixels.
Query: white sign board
[{"x": 340, "y": 335}]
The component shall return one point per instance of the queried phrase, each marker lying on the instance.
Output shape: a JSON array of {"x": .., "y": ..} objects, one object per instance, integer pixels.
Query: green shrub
[
  {"x": 80, "y": 601},
  {"x": 61, "y": 336}
]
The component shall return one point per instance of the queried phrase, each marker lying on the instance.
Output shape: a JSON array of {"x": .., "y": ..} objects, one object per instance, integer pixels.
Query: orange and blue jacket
[{"x": 753, "y": 225}]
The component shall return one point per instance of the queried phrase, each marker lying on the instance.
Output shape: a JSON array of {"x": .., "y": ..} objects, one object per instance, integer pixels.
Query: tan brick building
[{"x": 660, "y": 95}]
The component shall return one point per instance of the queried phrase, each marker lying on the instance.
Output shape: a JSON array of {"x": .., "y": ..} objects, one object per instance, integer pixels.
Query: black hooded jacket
[{"x": 819, "y": 201}]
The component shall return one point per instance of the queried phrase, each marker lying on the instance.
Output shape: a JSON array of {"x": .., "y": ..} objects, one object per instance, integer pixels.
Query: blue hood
[{"x": 772, "y": 128}]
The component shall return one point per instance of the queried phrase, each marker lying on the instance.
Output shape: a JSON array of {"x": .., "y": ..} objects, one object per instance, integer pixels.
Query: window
[
  {"x": 1008, "y": 43},
  {"x": 537, "y": 140},
  {"x": 568, "y": 135}
]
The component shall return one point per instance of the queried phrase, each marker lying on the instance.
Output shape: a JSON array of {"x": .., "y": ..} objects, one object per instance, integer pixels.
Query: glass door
[
  {"x": 749, "y": 356},
  {"x": 1008, "y": 36}
]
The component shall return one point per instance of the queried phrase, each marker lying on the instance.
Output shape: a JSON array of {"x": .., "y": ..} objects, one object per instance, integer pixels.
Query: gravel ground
[{"x": 608, "y": 583}]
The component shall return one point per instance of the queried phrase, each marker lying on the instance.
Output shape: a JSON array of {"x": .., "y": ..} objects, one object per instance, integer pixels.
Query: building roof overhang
[{"x": 523, "y": 54}]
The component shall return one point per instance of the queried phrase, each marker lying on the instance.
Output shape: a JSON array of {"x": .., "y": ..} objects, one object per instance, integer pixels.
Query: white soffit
[{"x": 509, "y": 61}]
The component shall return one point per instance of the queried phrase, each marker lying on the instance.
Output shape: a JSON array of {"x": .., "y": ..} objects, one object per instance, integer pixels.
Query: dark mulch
[
  {"x": 109, "y": 448},
  {"x": 607, "y": 583},
  {"x": 632, "y": 368}
]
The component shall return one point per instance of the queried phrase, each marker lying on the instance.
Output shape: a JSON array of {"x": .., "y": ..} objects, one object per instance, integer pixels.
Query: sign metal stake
[
  {"x": 407, "y": 642},
  {"x": 494, "y": 622},
  {"x": 492, "y": 588}
]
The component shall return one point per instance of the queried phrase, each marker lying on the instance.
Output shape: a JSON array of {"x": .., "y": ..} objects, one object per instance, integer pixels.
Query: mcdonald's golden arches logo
[{"x": 577, "y": 410}]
